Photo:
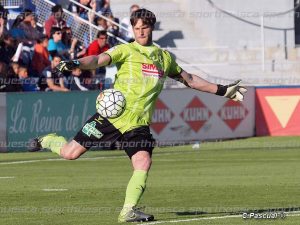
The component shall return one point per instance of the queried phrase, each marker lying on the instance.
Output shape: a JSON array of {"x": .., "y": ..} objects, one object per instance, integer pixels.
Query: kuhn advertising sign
[{"x": 189, "y": 115}]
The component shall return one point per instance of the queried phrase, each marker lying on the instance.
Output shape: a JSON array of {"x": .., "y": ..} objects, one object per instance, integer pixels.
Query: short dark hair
[
  {"x": 145, "y": 15},
  {"x": 27, "y": 12},
  {"x": 42, "y": 38},
  {"x": 56, "y": 8},
  {"x": 101, "y": 32},
  {"x": 56, "y": 55},
  {"x": 53, "y": 30}
]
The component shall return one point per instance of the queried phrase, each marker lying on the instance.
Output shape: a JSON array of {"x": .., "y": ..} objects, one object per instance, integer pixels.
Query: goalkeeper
[{"x": 142, "y": 70}]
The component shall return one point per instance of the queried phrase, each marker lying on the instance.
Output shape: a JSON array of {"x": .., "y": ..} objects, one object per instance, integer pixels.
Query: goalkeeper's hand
[
  {"x": 233, "y": 91},
  {"x": 64, "y": 66}
]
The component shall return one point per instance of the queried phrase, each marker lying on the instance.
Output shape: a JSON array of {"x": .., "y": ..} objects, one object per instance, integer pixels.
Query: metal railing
[
  {"x": 12, "y": 3},
  {"x": 98, "y": 14},
  {"x": 91, "y": 11},
  {"x": 82, "y": 29}
]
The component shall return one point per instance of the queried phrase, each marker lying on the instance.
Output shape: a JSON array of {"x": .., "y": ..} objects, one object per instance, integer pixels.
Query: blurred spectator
[
  {"x": 3, "y": 21},
  {"x": 79, "y": 27},
  {"x": 7, "y": 48},
  {"x": 28, "y": 83},
  {"x": 103, "y": 7},
  {"x": 75, "y": 83},
  {"x": 113, "y": 29},
  {"x": 76, "y": 49},
  {"x": 52, "y": 80},
  {"x": 128, "y": 35},
  {"x": 9, "y": 78},
  {"x": 34, "y": 24},
  {"x": 82, "y": 12},
  {"x": 101, "y": 23},
  {"x": 55, "y": 45},
  {"x": 31, "y": 33},
  {"x": 40, "y": 58},
  {"x": 82, "y": 80},
  {"x": 87, "y": 80},
  {"x": 18, "y": 20},
  {"x": 99, "y": 45},
  {"x": 55, "y": 20},
  {"x": 15, "y": 31}
]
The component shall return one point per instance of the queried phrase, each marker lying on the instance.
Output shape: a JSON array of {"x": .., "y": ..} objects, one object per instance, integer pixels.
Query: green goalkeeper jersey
[{"x": 142, "y": 71}]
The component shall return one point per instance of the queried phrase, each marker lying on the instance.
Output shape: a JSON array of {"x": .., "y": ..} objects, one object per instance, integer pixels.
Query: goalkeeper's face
[{"x": 143, "y": 33}]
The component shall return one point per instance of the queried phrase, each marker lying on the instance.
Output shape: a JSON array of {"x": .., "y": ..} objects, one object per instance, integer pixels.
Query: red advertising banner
[{"x": 277, "y": 111}]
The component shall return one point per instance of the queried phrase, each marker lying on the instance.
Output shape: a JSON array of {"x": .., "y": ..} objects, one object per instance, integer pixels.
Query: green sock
[
  {"x": 53, "y": 142},
  {"x": 135, "y": 189}
]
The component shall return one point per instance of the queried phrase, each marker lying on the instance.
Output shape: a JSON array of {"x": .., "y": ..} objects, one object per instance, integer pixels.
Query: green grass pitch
[{"x": 186, "y": 186}]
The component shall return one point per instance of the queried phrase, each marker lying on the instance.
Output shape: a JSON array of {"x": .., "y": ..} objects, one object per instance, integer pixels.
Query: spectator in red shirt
[
  {"x": 55, "y": 20},
  {"x": 40, "y": 58},
  {"x": 99, "y": 45}
]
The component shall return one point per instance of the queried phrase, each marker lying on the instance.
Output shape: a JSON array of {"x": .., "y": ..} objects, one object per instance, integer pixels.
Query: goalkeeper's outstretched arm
[
  {"x": 87, "y": 63},
  {"x": 233, "y": 91},
  {"x": 196, "y": 82},
  {"x": 94, "y": 61}
]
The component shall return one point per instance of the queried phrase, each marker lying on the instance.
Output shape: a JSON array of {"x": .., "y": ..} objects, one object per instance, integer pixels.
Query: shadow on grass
[{"x": 269, "y": 210}]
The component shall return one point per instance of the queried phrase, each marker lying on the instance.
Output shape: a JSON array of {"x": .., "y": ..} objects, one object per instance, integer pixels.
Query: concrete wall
[{"x": 223, "y": 30}]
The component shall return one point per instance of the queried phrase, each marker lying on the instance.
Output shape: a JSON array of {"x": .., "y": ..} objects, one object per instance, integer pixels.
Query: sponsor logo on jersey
[
  {"x": 196, "y": 114},
  {"x": 233, "y": 113},
  {"x": 150, "y": 70}
]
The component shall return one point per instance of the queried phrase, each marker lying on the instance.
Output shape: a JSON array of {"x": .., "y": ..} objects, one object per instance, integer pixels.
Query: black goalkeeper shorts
[{"x": 99, "y": 132}]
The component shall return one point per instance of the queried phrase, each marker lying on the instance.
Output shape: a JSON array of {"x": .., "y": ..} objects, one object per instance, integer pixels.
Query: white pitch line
[
  {"x": 295, "y": 213},
  {"x": 45, "y": 160},
  {"x": 194, "y": 219},
  {"x": 91, "y": 158},
  {"x": 7, "y": 177},
  {"x": 28, "y": 161},
  {"x": 54, "y": 189}
]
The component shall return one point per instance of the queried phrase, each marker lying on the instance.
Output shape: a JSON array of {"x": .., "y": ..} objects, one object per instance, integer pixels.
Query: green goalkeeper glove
[
  {"x": 233, "y": 91},
  {"x": 67, "y": 65}
]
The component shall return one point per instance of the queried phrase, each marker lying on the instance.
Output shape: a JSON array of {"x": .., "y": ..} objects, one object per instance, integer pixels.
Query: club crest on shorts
[{"x": 90, "y": 129}]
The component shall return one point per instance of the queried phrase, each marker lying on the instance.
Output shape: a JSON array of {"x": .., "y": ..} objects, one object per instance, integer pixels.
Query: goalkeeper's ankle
[
  {"x": 53, "y": 142},
  {"x": 46, "y": 140},
  {"x": 126, "y": 208}
]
